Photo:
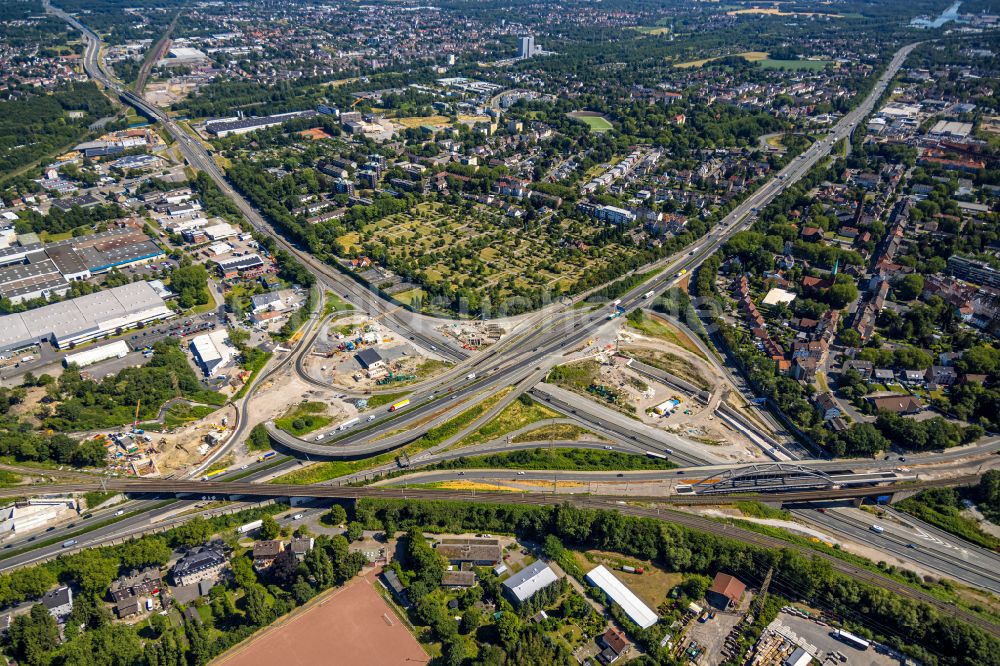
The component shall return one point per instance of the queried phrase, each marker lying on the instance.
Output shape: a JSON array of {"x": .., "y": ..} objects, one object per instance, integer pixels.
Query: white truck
[
  {"x": 250, "y": 527},
  {"x": 347, "y": 424},
  {"x": 470, "y": 376}
]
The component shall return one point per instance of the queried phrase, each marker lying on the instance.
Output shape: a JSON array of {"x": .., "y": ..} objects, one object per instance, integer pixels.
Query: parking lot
[
  {"x": 711, "y": 637},
  {"x": 817, "y": 639}
]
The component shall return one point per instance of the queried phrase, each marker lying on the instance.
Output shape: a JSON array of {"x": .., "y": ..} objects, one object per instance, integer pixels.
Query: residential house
[
  {"x": 128, "y": 592},
  {"x": 726, "y": 591},
  {"x": 863, "y": 368},
  {"x": 941, "y": 375},
  {"x": 804, "y": 369},
  {"x": 827, "y": 406},
  {"x": 59, "y": 602},
  {"x": 897, "y": 404},
  {"x": 300, "y": 547},
  {"x": 265, "y": 552},
  {"x": 458, "y": 579},
  {"x": 200, "y": 564},
  {"x": 615, "y": 645},
  {"x": 912, "y": 377},
  {"x": 884, "y": 375}
]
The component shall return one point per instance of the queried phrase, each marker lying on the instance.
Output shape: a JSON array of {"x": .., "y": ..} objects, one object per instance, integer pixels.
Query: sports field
[
  {"x": 768, "y": 63},
  {"x": 351, "y": 625},
  {"x": 595, "y": 121}
]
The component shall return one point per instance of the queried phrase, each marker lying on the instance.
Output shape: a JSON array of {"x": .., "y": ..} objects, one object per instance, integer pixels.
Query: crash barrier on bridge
[
  {"x": 741, "y": 423},
  {"x": 146, "y": 531},
  {"x": 699, "y": 394},
  {"x": 769, "y": 449}
]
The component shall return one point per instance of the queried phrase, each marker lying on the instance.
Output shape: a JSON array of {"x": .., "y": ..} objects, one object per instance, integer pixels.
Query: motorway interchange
[{"x": 520, "y": 360}]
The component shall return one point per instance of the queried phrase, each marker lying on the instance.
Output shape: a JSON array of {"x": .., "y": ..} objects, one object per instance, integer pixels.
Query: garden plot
[{"x": 485, "y": 251}]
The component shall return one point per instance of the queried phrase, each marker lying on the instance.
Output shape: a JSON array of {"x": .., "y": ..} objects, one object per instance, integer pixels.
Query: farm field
[
  {"x": 420, "y": 121},
  {"x": 445, "y": 248},
  {"x": 752, "y": 56},
  {"x": 367, "y": 631}
]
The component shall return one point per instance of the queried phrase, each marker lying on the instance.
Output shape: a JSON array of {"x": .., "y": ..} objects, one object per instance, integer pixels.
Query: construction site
[{"x": 360, "y": 353}]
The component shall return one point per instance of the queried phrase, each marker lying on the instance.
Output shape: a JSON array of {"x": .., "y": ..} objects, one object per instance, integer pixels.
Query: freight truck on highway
[
  {"x": 396, "y": 406},
  {"x": 347, "y": 424}
]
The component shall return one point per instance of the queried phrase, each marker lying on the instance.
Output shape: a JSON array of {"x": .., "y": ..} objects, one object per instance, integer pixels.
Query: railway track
[
  {"x": 754, "y": 539},
  {"x": 244, "y": 489}
]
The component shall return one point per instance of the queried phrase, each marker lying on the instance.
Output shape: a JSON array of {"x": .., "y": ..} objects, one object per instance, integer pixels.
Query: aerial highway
[
  {"x": 546, "y": 339},
  {"x": 417, "y": 327},
  {"x": 912, "y": 540},
  {"x": 636, "y": 506}
]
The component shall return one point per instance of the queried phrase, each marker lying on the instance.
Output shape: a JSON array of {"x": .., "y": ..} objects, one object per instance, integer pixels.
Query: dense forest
[{"x": 40, "y": 125}]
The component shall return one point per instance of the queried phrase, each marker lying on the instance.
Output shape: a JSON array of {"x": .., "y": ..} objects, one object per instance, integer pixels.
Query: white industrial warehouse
[
  {"x": 637, "y": 611},
  {"x": 85, "y": 318},
  {"x": 117, "y": 349},
  {"x": 212, "y": 351}
]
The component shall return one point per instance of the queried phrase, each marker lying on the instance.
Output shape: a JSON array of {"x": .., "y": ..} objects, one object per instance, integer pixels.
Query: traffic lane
[
  {"x": 641, "y": 434},
  {"x": 131, "y": 524},
  {"x": 923, "y": 534},
  {"x": 624, "y": 476},
  {"x": 940, "y": 562}
]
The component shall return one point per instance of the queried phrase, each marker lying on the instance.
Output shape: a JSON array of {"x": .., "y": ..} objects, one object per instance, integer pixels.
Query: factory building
[{"x": 85, "y": 318}]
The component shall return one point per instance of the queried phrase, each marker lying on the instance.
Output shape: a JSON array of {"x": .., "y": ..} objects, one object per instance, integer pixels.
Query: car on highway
[
  {"x": 608, "y": 448},
  {"x": 120, "y": 512}
]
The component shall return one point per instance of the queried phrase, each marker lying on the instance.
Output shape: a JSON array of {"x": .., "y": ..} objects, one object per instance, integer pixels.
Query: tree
[
  {"x": 335, "y": 516},
  {"x": 910, "y": 287},
  {"x": 110, "y": 645},
  {"x": 850, "y": 337},
  {"x": 258, "y": 603},
  {"x": 354, "y": 531},
  {"x": 269, "y": 528},
  {"x": 190, "y": 282},
  {"x": 471, "y": 619},
  {"x": 509, "y": 626},
  {"x": 33, "y": 635}
]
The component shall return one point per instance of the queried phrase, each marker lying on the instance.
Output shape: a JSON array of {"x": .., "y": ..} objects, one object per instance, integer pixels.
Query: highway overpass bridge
[
  {"x": 786, "y": 477},
  {"x": 244, "y": 490}
]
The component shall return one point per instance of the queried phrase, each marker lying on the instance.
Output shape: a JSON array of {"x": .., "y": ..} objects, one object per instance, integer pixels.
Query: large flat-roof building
[
  {"x": 85, "y": 318},
  {"x": 525, "y": 583},
  {"x": 212, "y": 351},
  {"x": 223, "y": 127},
  {"x": 636, "y": 610},
  {"x": 32, "y": 270}
]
